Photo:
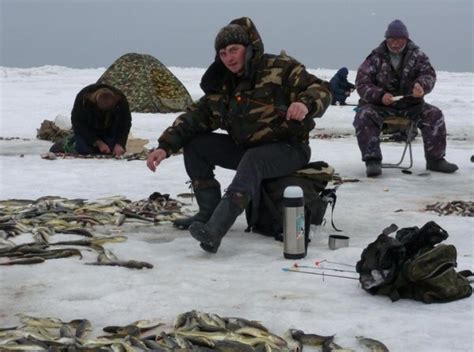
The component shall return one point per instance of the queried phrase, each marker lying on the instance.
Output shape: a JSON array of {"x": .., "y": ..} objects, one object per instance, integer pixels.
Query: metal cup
[{"x": 338, "y": 241}]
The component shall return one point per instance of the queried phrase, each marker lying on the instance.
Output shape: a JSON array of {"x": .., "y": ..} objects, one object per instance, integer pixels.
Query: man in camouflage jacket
[
  {"x": 266, "y": 103},
  {"x": 398, "y": 68}
]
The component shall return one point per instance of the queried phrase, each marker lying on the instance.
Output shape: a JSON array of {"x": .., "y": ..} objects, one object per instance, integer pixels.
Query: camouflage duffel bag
[
  {"x": 413, "y": 268},
  {"x": 432, "y": 277}
]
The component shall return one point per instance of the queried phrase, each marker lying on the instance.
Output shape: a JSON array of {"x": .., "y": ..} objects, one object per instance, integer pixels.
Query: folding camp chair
[{"x": 409, "y": 128}]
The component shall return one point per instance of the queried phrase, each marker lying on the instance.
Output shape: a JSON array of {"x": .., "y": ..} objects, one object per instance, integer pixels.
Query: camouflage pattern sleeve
[
  {"x": 196, "y": 120},
  {"x": 308, "y": 89},
  {"x": 427, "y": 75},
  {"x": 365, "y": 81}
]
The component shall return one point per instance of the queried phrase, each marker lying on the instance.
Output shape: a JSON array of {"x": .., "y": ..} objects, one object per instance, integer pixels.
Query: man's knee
[
  {"x": 261, "y": 156},
  {"x": 192, "y": 145},
  {"x": 367, "y": 116},
  {"x": 431, "y": 114}
]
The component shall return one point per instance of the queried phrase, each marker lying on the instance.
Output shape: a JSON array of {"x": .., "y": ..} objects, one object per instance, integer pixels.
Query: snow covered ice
[{"x": 245, "y": 278}]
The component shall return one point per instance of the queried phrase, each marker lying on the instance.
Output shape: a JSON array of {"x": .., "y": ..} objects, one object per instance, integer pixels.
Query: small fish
[
  {"x": 154, "y": 346},
  {"x": 78, "y": 231},
  {"x": 120, "y": 219},
  {"x": 231, "y": 346},
  {"x": 372, "y": 345},
  {"x": 30, "y": 347},
  {"x": 331, "y": 346},
  {"x": 233, "y": 323},
  {"x": 40, "y": 322},
  {"x": 24, "y": 261},
  {"x": 186, "y": 195},
  {"x": 277, "y": 340},
  {"x": 82, "y": 327},
  {"x": 310, "y": 339},
  {"x": 66, "y": 331},
  {"x": 107, "y": 256},
  {"x": 57, "y": 253},
  {"x": 130, "y": 264},
  {"x": 293, "y": 344},
  {"x": 207, "y": 323}
]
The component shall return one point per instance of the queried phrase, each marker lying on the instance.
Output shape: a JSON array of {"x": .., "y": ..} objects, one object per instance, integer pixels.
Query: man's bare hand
[
  {"x": 155, "y": 158},
  {"x": 297, "y": 111},
  {"x": 387, "y": 99},
  {"x": 118, "y": 150},
  {"x": 103, "y": 148},
  {"x": 418, "y": 90}
]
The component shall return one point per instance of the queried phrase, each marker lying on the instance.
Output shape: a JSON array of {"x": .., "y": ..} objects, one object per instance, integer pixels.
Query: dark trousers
[
  {"x": 368, "y": 123},
  {"x": 252, "y": 165},
  {"x": 82, "y": 147}
]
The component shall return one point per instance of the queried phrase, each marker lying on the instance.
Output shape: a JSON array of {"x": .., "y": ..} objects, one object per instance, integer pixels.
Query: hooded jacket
[
  {"x": 376, "y": 76},
  {"x": 340, "y": 85},
  {"x": 92, "y": 124},
  {"x": 252, "y": 108}
]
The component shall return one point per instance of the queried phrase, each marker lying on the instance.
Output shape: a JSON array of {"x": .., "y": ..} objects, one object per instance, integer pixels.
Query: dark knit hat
[
  {"x": 231, "y": 34},
  {"x": 396, "y": 29}
]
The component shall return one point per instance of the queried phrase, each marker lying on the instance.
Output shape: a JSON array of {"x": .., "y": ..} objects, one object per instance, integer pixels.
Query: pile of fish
[
  {"x": 47, "y": 216},
  {"x": 457, "y": 207},
  {"x": 127, "y": 156},
  {"x": 13, "y": 138},
  {"x": 192, "y": 331},
  {"x": 330, "y": 135}
]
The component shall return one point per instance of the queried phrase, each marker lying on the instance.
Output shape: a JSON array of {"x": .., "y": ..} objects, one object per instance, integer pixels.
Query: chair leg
[{"x": 410, "y": 152}]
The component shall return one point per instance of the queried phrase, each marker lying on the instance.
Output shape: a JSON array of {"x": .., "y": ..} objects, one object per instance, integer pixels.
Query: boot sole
[{"x": 200, "y": 234}]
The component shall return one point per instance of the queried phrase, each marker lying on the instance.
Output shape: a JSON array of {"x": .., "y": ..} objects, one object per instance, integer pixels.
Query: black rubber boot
[
  {"x": 373, "y": 168},
  {"x": 210, "y": 234},
  {"x": 441, "y": 165},
  {"x": 57, "y": 147},
  {"x": 208, "y": 195}
]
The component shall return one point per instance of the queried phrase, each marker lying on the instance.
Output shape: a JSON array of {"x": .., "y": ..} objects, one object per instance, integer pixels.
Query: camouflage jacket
[
  {"x": 252, "y": 109},
  {"x": 92, "y": 124},
  {"x": 376, "y": 76}
]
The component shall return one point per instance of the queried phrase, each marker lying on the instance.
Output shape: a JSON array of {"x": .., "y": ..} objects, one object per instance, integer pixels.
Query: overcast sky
[{"x": 319, "y": 33}]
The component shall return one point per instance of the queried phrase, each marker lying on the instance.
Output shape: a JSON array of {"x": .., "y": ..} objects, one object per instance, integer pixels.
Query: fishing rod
[
  {"x": 320, "y": 274},
  {"x": 327, "y": 261},
  {"x": 296, "y": 265}
]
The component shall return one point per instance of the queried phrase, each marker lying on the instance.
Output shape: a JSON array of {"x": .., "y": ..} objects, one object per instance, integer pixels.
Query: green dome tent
[{"x": 148, "y": 85}]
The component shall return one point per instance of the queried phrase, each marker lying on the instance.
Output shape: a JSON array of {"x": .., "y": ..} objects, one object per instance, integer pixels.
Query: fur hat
[
  {"x": 396, "y": 29},
  {"x": 231, "y": 34}
]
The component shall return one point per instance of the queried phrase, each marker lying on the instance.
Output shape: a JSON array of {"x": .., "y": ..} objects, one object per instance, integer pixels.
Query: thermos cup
[{"x": 294, "y": 241}]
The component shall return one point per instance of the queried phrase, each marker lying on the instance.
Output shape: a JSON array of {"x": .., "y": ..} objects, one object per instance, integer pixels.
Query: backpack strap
[{"x": 329, "y": 195}]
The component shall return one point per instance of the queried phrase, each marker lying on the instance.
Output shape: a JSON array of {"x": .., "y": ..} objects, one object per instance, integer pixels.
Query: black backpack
[
  {"x": 413, "y": 265},
  {"x": 267, "y": 217}
]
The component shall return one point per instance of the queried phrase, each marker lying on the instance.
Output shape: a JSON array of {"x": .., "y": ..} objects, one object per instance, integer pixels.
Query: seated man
[
  {"x": 266, "y": 103},
  {"x": 398, "y": 68},
  {"x": 340, "y": 87},
  {"x": 101, "y": 120}
]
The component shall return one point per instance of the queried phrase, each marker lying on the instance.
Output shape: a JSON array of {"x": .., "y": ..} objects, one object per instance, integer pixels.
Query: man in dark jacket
[
  {"x": 392, "y": 81},
  {"x": 101, "y": 120},
  {"x": 340, "y": 87},
  {"x": 266, "y": 103}
]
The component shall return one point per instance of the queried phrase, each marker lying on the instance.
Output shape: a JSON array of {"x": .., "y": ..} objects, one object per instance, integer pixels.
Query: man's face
[
  {"x": 396, "y": 45},
  {"x": 233, "y": 57}
]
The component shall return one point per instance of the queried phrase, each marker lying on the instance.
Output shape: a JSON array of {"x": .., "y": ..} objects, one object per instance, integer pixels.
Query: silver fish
[{"x": 372, "y": 345}]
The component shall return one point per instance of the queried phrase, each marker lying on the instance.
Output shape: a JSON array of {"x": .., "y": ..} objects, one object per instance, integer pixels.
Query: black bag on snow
[
  {"x": 413, "y": 265},
  {"x": 267, "y": 219}
]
